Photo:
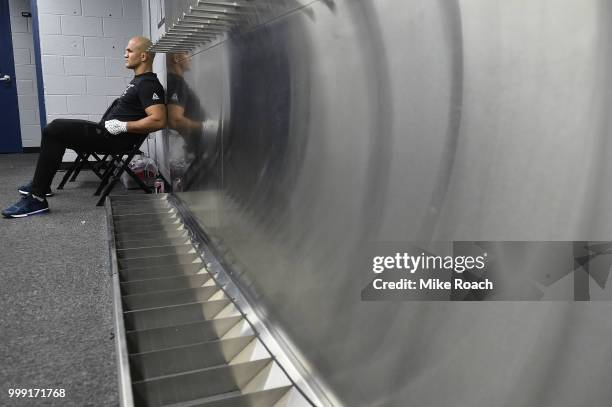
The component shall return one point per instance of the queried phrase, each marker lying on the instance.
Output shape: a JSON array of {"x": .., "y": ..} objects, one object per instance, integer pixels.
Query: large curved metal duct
[{"x": 344, "y": 122}]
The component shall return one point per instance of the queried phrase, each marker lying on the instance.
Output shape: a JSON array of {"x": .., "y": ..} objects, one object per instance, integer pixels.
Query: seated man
[{"x": 140, "y": 110}]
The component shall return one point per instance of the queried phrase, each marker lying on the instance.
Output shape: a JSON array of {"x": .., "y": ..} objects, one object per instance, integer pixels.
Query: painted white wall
[
  {"x": 82, "y": 44},
  {"x": 25, "y": 73}
]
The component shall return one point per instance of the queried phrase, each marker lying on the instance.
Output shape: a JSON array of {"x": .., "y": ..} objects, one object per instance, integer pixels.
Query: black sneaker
[
  {"x": 27, "y": 205},
  {"x": 27, "y": 189}
]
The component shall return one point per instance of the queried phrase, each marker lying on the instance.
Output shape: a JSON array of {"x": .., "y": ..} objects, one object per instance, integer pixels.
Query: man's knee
[{"x": 51, "y": 128}]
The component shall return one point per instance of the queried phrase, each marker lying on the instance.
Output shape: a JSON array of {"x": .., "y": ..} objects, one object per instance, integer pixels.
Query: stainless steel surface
[
  {"x": 216, "y": 19},
  {"x": 165, "y": 272},
  {"x": 154, "y": 250},
  {"x": 188, "y": 386},
  {"x": 125, "y": 382},
  {"x": 189, "y": 28},
  {"x": 207, "y": 22},
  {"x": 233, "y": 4},
  {"x": 141, "y": 239},
  {"x": 215, "y": 15},
  {"x": 164, "y": 283},
  {"x": 185, "y": 36},
  {"x": 309, "y": 392},
  {"x": 185, "y": 39},
  {"x": 345, "y": 122},
  {"x": 223, "y": 11},
  {"x": 191, "y": 33},
  {"x": 180, "y": 338},
  {"x": 195, "y": 27},
  {"x": 186, "y": 358},
  {"x": 149, "y": 242},
  {"x": 179, "y": 335},
  {"x": 137, "y": 302},
  {"x": 178, "y": 38},
  {"x": 259, "y": 399},
  {"x": 166, "y": 260},
  {"x": 147, "y": 220}
]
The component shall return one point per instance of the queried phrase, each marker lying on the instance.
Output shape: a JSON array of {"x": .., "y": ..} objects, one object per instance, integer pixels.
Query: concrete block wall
[
  {"x": 82, "y": 45},
  {"x": 25, "y": 73},
  {"x": 154, "y": 146}
]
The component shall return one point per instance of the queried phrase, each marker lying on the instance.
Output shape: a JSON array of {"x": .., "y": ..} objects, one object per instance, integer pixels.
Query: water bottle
[
  {"x": 159, "y": 186},
  {"x": 177, "y": 185}
]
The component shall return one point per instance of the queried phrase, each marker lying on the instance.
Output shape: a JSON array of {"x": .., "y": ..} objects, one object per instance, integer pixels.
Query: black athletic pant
[{"x": 81, "y": 135}]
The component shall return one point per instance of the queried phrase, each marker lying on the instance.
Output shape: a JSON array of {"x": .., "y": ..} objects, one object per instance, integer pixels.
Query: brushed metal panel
[
  {"x": 262, "y": 398},
  {"x": 185, "y": 358},
  {"x": 154, "y": 251},
  {"x": 168, "y": 298},
  {"x": 188, "y": 386},
  {"x": 175, "y": 315},
  {"x": 147, "y": 238},
  {"x": 163, "y": 284},
  {"x": 152, "y": 241},
  {"x": 179, "y": 335},
  {"x": 353, "y": 121},
  {"x": 170, "y": 259},
  {"x": 163, "y": 271}
]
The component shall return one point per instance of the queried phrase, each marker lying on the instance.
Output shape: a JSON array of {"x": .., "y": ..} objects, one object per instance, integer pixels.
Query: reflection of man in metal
[
  {"x": 185, "y": 113},
  {"x": 187, "y": 117}
]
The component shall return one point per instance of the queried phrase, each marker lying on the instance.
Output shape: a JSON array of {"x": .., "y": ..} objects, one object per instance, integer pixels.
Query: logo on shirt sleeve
[{"x": 155, "y": 97}]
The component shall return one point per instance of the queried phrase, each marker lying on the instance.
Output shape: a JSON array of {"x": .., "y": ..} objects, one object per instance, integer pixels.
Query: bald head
[
  {"x": 136, "y": 55},
  {"x": 143, "y": 43}
]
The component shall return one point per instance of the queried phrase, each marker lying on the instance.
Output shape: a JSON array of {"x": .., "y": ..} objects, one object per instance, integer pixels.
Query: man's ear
[{"x": 143, "y": 56}]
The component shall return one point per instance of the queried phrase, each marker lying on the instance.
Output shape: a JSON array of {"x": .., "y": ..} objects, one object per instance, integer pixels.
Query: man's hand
[
  {"x": 115, "y": 126},
  {"x": 155, "y": 120},
  {"x": 210, "y": 129}
]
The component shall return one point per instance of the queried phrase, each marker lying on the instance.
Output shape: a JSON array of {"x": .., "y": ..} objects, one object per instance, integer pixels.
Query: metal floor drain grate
[{"x": 181, "y": 341}]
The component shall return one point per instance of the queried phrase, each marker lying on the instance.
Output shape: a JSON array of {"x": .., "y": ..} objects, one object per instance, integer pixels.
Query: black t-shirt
[
  {"x": 179, "y": 93},
  {"x": 143, "y": 91}
]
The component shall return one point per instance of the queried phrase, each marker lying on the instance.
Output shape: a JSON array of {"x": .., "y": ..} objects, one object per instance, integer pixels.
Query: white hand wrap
[
  {"x": 210, "y": 130},
  {"x": 115, "y": 126}
]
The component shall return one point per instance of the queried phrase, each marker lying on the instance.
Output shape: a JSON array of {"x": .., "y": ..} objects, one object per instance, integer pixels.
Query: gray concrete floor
[{"x": 55, "y": 294}]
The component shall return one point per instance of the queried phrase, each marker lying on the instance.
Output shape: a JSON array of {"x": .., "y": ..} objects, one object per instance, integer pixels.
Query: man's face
[
  {"x": 133, "y": 55},
  {"x": 185, "y": 61}
]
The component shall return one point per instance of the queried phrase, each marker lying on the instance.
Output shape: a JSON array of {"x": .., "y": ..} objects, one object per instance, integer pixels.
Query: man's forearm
[
  {"x": 146, "y": 125},
  {"x": 182, "y": 123}
]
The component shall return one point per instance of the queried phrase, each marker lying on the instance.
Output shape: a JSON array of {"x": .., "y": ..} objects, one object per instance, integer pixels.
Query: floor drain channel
[{"x": 180, "y": 340}]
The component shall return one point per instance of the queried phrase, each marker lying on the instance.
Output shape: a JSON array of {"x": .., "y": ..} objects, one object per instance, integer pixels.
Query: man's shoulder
[
  {"x": 149, "y": 79},
  {"x": 152, "y": 84}
]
